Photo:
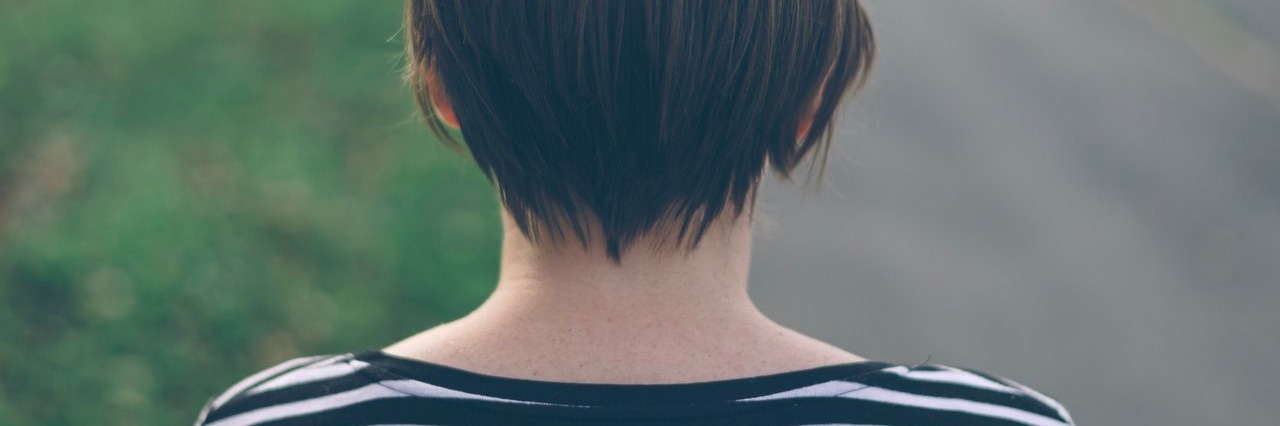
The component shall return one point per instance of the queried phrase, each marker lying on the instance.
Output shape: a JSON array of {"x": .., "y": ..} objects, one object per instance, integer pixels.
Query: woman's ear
[
  {"x": 440, "y": 102},
  {"x": 805, "y": 123},
  {"x": 806, "y": 117}
]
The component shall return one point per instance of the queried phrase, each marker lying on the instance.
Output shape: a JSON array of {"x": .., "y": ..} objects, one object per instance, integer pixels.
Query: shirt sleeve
[
  {"x": 962, "y": 395},
  {"x": 255, "y": 379},
  {"x": 1027, "y": 395}
]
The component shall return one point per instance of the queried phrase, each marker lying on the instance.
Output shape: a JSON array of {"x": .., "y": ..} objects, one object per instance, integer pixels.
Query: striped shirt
[{"x": 373, "y": 388}]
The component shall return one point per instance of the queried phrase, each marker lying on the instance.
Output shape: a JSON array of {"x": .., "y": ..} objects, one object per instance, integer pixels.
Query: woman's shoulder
[
  {"x": 333, "y": 371},
  {"x": 940, "y": 388}
]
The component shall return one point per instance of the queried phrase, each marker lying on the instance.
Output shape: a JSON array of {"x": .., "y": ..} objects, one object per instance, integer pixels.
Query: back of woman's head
[{"x": 634, "y": 117}]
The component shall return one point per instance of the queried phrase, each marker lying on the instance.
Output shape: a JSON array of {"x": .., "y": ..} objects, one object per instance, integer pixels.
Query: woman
[{"x": 626, "y": 140}]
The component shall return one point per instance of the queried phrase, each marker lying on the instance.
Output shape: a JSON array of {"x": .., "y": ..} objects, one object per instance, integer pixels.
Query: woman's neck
[
  {"x": 660, "y": 316},
  {"x": 573, "y": 283}
]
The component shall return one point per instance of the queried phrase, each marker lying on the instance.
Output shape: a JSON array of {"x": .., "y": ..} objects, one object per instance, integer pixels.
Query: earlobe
[
  {"x": 802, "y": 130},
  {"x": 440, "y": 102},
  {"x": 805, "y": 124},
  {"x": 806, "y": 119}
]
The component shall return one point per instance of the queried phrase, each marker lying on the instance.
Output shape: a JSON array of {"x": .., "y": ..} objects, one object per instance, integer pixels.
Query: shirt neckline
[{"x": 391, "y": 367}]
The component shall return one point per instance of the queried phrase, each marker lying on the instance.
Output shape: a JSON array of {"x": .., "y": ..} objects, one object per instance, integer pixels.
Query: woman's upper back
[{"x": 376, "y": 388}]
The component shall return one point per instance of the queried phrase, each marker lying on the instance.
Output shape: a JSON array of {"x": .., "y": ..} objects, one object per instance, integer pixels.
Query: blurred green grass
[{"x": 193, "y": 190}]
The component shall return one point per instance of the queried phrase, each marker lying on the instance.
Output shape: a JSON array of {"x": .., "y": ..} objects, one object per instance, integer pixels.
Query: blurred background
[{"x": 1082, "y": 196}]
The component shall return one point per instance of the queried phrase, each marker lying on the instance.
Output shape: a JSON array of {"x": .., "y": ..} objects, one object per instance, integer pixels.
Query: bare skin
[{"x": 569, "y": 314}]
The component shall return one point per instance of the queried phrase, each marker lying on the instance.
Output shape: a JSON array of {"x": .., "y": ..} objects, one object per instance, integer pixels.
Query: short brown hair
[{"x": 635, "y": 114}]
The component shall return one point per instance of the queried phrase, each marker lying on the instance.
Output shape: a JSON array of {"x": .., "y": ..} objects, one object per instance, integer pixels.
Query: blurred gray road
[{"x": 1083, "y": 196}]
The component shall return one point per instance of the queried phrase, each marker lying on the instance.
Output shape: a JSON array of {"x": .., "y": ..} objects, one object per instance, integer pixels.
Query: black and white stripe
[{"x": 373, "y": 388}]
